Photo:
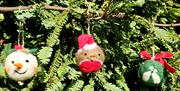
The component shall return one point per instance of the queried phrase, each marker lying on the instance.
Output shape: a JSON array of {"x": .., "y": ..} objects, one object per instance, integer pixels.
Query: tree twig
[
  {"x": 58, "y": 8},
  {"x": 48, "y": 7},
  {"x": 167, "y": 25},
  {"x": 11, "y": 9}
]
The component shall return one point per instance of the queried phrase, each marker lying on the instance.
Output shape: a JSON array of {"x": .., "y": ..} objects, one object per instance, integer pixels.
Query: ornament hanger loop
[
  {"x": 88, "y": 29},
  {"x": 153, "y": 54},
  {"x": 21, "y": 34},
  {"x": 88, "y": 18}
]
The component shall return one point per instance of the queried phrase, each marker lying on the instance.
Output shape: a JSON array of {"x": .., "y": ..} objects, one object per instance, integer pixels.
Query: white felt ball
[{"x": 20, "y": 66}]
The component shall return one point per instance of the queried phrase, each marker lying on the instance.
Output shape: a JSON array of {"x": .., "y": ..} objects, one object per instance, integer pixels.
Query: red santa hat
[{"x": 86, "y": 41}]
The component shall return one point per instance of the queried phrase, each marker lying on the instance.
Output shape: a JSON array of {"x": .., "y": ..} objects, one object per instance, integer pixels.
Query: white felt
[
  {"x": 156, "y": 77},
  {"x": 152, "y": 72},
  {"x": 146, "y": 76},
  {"x": 28, "y": 67},
  {"x": 88, "y": 47}
]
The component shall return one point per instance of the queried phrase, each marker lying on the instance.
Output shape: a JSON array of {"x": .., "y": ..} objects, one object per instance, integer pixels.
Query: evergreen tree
[{"x": 123, "y": 28}]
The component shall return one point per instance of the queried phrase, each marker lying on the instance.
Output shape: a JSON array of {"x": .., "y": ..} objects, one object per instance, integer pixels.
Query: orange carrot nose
[{"x": 18, "y": 65}]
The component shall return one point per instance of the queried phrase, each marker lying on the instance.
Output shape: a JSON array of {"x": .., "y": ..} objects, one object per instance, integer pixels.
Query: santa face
[
  {"x": 92, "y": 54},
  {"x": 90, "y": 60},
  {"x": 20, "y": 66}
]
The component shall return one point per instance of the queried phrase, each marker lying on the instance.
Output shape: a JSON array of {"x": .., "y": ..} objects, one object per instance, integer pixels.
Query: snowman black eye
[
  {"x": 12, "y": 62},
  {"x": 27, "y": 61}
]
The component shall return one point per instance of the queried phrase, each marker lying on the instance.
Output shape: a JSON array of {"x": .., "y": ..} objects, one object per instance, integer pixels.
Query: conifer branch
[{"x": 59, "y": 8}]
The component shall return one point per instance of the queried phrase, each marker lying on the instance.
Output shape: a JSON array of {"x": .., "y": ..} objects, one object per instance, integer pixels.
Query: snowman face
[{"x": 20, "y": 66}]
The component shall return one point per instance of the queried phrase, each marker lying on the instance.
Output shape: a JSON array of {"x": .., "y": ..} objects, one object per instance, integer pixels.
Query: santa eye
[
  {"x": 12, "y": 62},
  {"x": 27, "y": 61},
  {"x": 99, "y": 54},
  {"x": 85, "y": 54}
]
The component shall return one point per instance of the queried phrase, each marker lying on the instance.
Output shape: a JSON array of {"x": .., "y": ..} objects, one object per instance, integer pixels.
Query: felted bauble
[
  {"x": 20, "y": 65},
  {"x": 89, "y": 56},
  {"x": 151, "y": 73}
]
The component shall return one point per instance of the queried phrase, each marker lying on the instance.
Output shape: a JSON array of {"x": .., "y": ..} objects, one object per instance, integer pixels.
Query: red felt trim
[
  {"x": 159, "y": 57},
  {"x": 145, "y": 55},
  {"x": 90, "y": 66},
  {"x": 85, "y": 39}
]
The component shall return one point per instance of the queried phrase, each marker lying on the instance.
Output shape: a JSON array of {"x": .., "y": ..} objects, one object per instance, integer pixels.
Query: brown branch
[
  {"x": 168, "y": 25},
  {"x": 58, "y": 8},
  {"x": 11, "y": 9},
  {"x": 48, "y": 7}
]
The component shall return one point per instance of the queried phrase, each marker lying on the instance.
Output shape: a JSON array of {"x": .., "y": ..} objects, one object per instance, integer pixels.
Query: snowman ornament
[{"x": 20, "y": 65}]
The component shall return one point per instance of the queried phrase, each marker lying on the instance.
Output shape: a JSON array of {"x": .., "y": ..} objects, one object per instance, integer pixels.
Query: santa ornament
[
  {"x": 154, "y": 71},
  {"x": 89, "y": 56},
  {"x": 20, "y": 65}
]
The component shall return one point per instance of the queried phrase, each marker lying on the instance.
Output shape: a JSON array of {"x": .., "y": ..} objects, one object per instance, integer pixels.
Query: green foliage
[
  {"x": 44, "y": 54},
  {"x": 24, "y": 14},
  {"x": 76, "y": 85},
  {"x": 126, "y": 27},
  {"x": 4, "y": 53},
  {"x": 54, "y": 83},
  {"x": 137, "y": 3},
  {"x": 1, "y": 17},
  {"x": 56, "y": 86},
  {"x": 166, "y": 35},
  {"x": 102, "y": 79},
  {"x": 90, "y": 86},
  {"x": 56, "y": 22},
  {"x": 2, "y": 71}
]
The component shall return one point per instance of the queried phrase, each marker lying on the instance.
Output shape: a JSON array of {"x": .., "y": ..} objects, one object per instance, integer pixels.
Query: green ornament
[{"x": 152, "y": 73}]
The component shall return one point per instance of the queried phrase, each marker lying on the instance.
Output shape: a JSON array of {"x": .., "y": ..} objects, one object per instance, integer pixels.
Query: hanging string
[
  {"x": 21, "y": 31},
  {"x": 20, "y": 34},
  {"x": 88, "y": 28},
  {"x": 88, "y": 18},
  {"x": 23, "y": 38},
  {"x": 153, "y": 53}
]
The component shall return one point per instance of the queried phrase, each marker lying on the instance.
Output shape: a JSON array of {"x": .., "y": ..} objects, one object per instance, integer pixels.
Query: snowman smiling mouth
[
  {"x": 18, "y": 67},
  {"x": 21, "y": 72}
]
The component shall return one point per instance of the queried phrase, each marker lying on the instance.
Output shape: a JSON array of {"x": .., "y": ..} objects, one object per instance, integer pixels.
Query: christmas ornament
[
  {"x": 20, "y": 65},
  {"x": 89, "y": 56},
  {"x": 154, "y": 71}
]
